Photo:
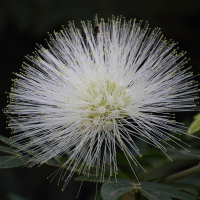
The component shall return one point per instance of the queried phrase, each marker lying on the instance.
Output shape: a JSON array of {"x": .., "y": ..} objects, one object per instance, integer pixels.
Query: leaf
[
  {"x": 13, "y": 161},
  {"x": 193, "y": 153},
  {"x": 191, "y": 182},
  {"x": 14, "y": 196},
  {"x": 5, "y": 140},
  {"x": 8, "y": 150},
  {"x": 121, "y": 159},
  {"x": 62, "y": 160},
  {"x": 53, "y": 163},
  {"x": 182, "y": 185},
  {"x": 189, "y": 190},
  {"x": 197, "y": 116},
  {"x": 153, "y": 191},
  {"x": 195, "y": 126},
  {"x": 112, "y": 191},
  {"x": 155, "y": 155}
]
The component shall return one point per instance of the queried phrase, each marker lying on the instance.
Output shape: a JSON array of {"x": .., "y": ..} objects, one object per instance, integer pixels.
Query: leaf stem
[{"x": 180, "y": 175}]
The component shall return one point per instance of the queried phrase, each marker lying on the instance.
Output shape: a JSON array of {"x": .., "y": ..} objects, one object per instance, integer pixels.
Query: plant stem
[{"x": 180, "y": 175}]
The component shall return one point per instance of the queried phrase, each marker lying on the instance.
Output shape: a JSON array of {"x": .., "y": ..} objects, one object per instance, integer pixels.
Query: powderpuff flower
[{"x": 91, "y": 95}]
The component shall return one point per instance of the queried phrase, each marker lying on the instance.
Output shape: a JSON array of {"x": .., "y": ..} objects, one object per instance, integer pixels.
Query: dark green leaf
[
  {"x": 8, "y": 150},
  {"x": 121, "y": 159},
  {"x": 189, "y": 182},
  {"x": 5, "y": 140},
  {"x": 13, "y": 161},
  {"x": 112, "y": 191},
  {"x": 153, "y": 191},
  {"x": 194, "y": 153},
  {"x": 144, "y": 163},
  {"x": 155, "y": 155},
  {"x": 190, "y": 190},
  {"x": 165, "y": 169},
  {"x": 14, "y": 196},
  {"x": 63, "y": 160},
  {"x": 142, "y": 146},
  {"x": 182, "y": 185},
  {"x": 53, "y": 163}
]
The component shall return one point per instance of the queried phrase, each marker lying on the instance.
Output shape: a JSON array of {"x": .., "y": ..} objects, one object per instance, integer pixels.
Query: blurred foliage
[
  {"x": 25, "y": 22},
  {"x": 152, "y": 191},
  {"x": 157, "y": 169},
  {"x": 194, "y": 128}
]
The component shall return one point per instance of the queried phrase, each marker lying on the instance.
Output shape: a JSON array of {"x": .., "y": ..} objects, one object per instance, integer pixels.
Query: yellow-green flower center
[{"x": 106, "y": 101}]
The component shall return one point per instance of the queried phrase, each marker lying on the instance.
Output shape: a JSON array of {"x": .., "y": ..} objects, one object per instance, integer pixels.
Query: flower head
[{"x": 88, "y": 98}]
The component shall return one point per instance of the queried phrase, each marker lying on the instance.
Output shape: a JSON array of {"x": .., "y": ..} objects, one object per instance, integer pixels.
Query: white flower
[{"x": 86, "y": 98}]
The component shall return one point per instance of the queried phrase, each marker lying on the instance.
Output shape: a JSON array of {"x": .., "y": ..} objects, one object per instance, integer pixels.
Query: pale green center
[{"x": 106, "y": 102}]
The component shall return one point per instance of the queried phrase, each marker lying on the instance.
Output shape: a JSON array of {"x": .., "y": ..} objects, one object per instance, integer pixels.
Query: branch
[{"x": 180, "y": 175}]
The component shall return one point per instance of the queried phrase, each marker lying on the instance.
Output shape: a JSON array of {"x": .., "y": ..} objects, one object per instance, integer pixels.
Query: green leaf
[
  {"x": 8, "y": 150},
  {"x": 63, "y": 160},
  {"x": 193, "y": 153},
  {"x": 195, "y": 126},
  {"x": 13, "y": 161},
  {"x": 14, "y": 196},
  {"x": 5, "y": 140},
  {"x": 197, "y": 116},
  {"x": 153, "y": 191},
  {"x": 189, "y": 190},
  {"x": 112, "y": 191},
  {"x": 154, "y": 155},
  {"x": 53, "y": 162},
  {"x": 121, "y": 159},
  {"x": 179, "y": 184}
]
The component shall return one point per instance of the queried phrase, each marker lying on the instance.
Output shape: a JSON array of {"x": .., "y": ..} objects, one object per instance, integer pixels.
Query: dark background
[{"x": 23, "y": 23}]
